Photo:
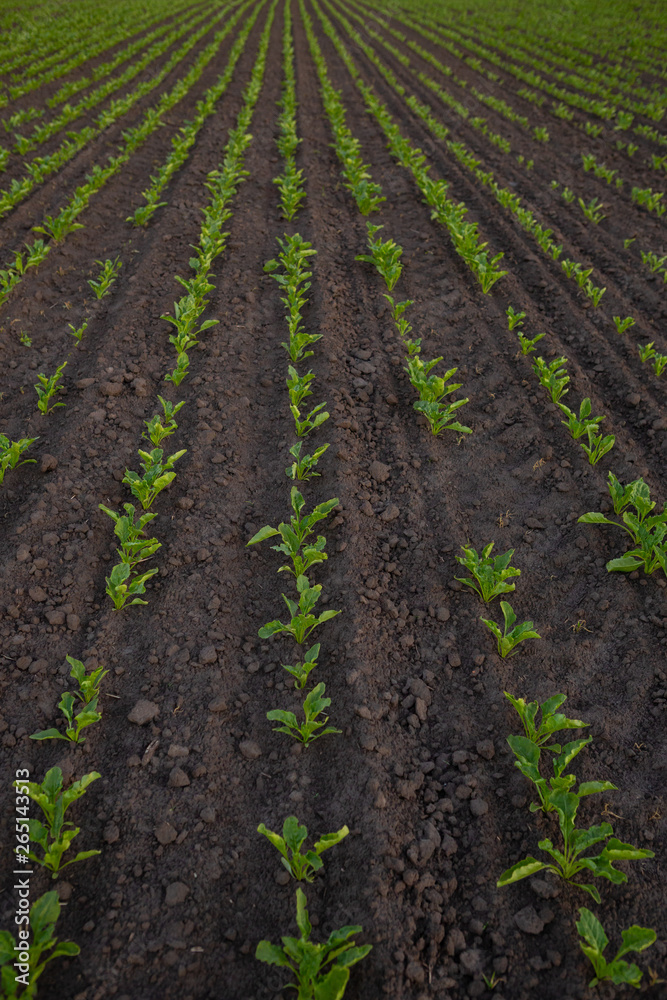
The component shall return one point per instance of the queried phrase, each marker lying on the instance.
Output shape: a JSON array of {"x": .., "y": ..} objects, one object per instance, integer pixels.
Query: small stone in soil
[{"x": 143, "y": 712}]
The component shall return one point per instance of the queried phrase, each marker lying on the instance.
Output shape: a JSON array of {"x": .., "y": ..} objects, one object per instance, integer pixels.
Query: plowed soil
[{"x": 184, "y": 887}]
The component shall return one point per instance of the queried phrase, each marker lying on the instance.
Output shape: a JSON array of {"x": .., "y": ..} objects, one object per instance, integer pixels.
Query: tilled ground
[{"x": 184, "y": 887}]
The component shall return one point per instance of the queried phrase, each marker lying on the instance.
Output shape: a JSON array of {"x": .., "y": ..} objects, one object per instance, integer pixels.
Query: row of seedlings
[
  {"x": 127, "y": 580},
  {"x": 58, "y": 226},
  {"x": 321, "y": 969}
]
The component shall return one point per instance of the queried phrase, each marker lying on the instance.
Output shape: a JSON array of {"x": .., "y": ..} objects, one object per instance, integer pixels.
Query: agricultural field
[{"x": 334, "y": 346}]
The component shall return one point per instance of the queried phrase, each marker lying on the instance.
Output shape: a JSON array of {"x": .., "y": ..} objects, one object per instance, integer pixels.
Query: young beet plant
[
  {"x": 491, "y": 574},
  {"x": 108, "y": 275},
  {"x": 56, "y": 836},
  {"x": 595, "y": 941},
  {"x": 312, "y": 727},
  {"x": 43, "y": 948},
  {"x": 511, "y": 635},
  {"x": 301, "y": 671},
  {"x": 623, "y": 324},
  {"x": 570, "y": 861},
  {"x": 647, "y": 352},
  {"x": 647, "y": 531},
  {"x": 156, "y": 429},
  {"x": 321, "y": 971},
  {"x": 553, "y": 377},
  {"x": 124, "y": 584},
  {"x": 303, "y": 466},
  {"x": 528, "y": 760},
  {"x": 299, "y": 389},
  {"x": 295, "y": 533},
  {"x": 294, "y": 283},
  {"x": 302, "y": 867},
  {"x": 157, "y": 475},
  {"x": 302, "y": 621},
  {"x": 432, "y": 389},
  {"x": 47, "y": 387},
  {"x": 11, "y": 452},
  {"x": 550, "y": 722},
  {"x": 385, "y": 255},
  {"x": 88, "y": 694},
  {"x": 78, "y": 332}
]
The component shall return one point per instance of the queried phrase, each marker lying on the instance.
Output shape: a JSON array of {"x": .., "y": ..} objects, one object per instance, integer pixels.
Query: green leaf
[
  {"x": 266, "y": 532},
  {"x": 636, "y": 938},
  {"x": 272, "y": 954},
  {"x": 594, "y": 519},
  {"x": 332, "y": 987},
  {"x": 522, "y": 869},
  {"x": 624, "y": 564},
  {"x": 591, "y": 930}
]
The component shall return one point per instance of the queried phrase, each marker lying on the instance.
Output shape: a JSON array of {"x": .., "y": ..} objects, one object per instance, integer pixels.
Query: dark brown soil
[{"x": 435, "y": 807}]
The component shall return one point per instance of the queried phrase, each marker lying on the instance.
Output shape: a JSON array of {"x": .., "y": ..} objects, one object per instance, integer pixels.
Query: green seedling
[
  {"x": 57, "y": 227},
  {"x": 527, "y": 761},
  {"x": 56, "y": 836},
  {"x": 514, "y": 318},
  {"x": 157, "y": 430},
  {"x": 432, "y": 389},
  {"x": 581, "y": 276},
  {"x": 579, "y": 425},
  {"x": 652, "y": 260},
  {"x": 528, "y": 345},
  {"x": 569, "y": 862},
  {"x": 186, "y": 313},
  {"x": 294, "y": 282},
  {"x": 595, "y": 941},
  {"x": 321, "y": 971},
  {"x": 623, "y": 324},
  {"x": 491, "y": 574},
  {"x": 648, "y": 353},
  {"x": 302, "y": 866},
  {"x": 302, "y": 621},
  {"x": 629, "y": 241},
  {"x": 568, "y": 195},
  {"x": 384, "y": 255},
  {"x": 492, "y": 981},
  {"x": 307, "y": 731},
  {"x": 25, "y": 339},
  {"x": 597, "y": 446},
  {"x": 157, "y": 475},
  {"x": 589, "y": 161},
  {"x": 552, "y": 376},
  {"x": 298, "y": 386},
  {"x": 301, "y": 671},
  {"x": 308, "y": 423},
  {"x": 512, "y": 634},
  {"x": 43, "y": 948},
  {"x": 78, "y": 332},
  {"x": 10, "y": 454},
  {"x": 47, "y": 388},
  {"x": 295, "y": 534},
  {"x": 135, "y": 547},
  {"x": 88, "y": 694},
  {"x": 551, "y": 721},
  {"x": 107, "y": 276},
  {"x": 397, "y": 310},
  {"x": 594, "y": 293},
  {"x": 180, "y": 371},
  {"x": 120, "y": 590},
  {"x": 303, "y": 466},
  {"x": 592, "y": 211},
  {"x": 541, "y": 134},
  {"x": 648, "y": 533}
]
